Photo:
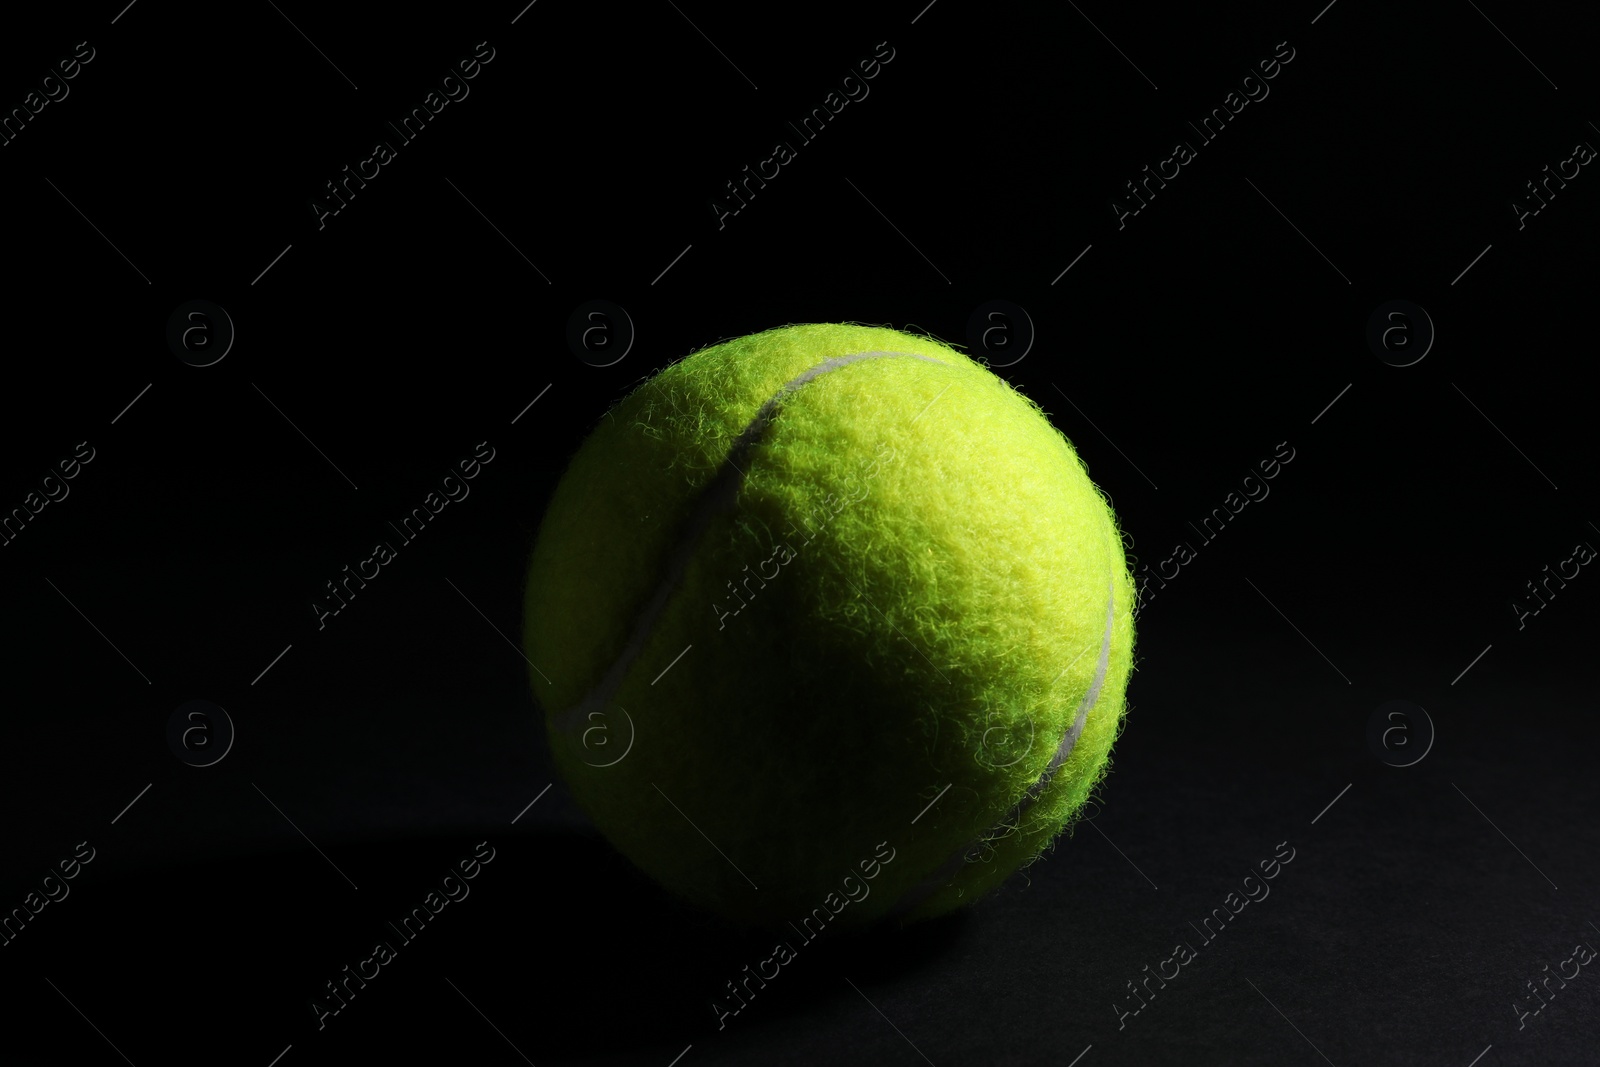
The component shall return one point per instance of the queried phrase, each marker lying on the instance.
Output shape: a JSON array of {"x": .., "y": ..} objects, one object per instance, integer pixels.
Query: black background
[{"x": 1178, "y": 351}]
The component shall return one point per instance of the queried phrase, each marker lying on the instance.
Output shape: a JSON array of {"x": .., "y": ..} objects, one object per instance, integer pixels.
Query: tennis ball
[{"x": 829, "y": 624}]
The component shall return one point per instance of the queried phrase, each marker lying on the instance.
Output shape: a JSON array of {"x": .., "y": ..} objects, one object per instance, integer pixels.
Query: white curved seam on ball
[
  {"x": 717, "y": 494},
  {"x": 948, "y": 870},
  {"x": 918, "y": 893}
]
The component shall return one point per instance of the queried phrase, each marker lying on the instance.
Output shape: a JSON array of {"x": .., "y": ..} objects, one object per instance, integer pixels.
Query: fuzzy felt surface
[{"x": 900, "y": 595}]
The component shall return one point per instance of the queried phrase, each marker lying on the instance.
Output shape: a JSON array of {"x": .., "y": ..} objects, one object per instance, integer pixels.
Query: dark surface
[{"x": 381, "y": 349}]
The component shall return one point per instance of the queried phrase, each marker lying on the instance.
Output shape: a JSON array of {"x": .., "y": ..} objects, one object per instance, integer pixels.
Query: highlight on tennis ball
[{"x": 829, "y": 605}]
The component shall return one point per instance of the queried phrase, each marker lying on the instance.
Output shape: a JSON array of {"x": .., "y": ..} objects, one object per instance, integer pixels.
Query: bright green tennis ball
[{"x": 829, "y": 622}]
